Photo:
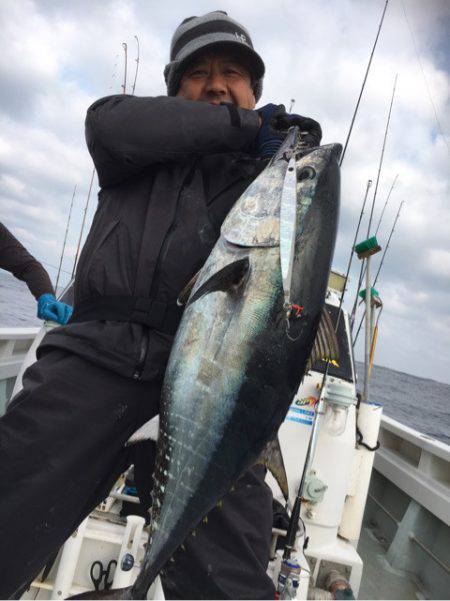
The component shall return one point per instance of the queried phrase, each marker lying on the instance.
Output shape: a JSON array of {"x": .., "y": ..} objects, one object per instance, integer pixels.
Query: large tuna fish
[{"x": 238, "y": 359}]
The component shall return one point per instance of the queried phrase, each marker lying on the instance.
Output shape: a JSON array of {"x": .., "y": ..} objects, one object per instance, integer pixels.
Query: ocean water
[
  {"x": 420, "y": 403},
  {"x": 18, "y": 307}
]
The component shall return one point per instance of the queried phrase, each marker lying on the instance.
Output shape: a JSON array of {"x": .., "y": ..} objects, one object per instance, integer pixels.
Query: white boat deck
[{"x": 380, "y": 580}]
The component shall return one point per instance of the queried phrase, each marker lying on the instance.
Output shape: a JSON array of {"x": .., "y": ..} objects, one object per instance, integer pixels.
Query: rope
[{"x": 360, "y": 441}]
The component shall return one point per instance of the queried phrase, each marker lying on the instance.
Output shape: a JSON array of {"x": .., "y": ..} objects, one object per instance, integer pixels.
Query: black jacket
[
  {"x": 170, "y": 170},
  {"x": 15, "y": 258}
]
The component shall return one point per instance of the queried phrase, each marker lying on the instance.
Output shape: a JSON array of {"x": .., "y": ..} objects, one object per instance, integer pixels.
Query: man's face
[{"x": 218, "y": 77}]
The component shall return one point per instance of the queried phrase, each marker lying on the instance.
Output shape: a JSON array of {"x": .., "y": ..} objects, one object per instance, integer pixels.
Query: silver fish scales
[{"x": 233, "y": 371}]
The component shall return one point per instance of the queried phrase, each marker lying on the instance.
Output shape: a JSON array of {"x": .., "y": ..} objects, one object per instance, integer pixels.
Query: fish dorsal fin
[
  {"x": 326, "y": 345},
  {"x": 272, "y": 458},
  {"x": 149, "y": 431},
  {"x": 227, "y": 279},
  {"x": 183, "y": 297}
]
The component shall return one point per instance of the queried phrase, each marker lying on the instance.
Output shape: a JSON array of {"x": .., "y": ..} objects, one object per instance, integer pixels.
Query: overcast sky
[{"x": 57, "y": 57}]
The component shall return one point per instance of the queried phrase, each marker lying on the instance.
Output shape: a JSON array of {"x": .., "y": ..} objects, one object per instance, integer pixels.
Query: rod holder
[{"x": 367, "y": 248}]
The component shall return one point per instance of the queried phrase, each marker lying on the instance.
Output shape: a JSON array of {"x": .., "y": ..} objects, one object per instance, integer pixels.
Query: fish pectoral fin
[
  {"x": 183, "y": 297},
  {"x": 272, "y": 458},
  {"x": 228, "y": 279},
  {"x": 326, "y": 345}
]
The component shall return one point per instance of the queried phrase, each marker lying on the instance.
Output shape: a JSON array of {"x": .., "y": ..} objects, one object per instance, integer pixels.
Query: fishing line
[
  {"x": 52, "y": 266},
  {"x": 83, "y": 223},
  {"x": 65, "y": 239},
  {"x": 425, "y": 79}
]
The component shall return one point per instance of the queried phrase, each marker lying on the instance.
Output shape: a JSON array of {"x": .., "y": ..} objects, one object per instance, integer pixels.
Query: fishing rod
[
  {"x": 82, "y": 225},
  {"x": 385, "y": 204},
  {"x": 137, "y": 66},
  {"x": 65, "y": 240},
  {"x": 51, "y": 266},
  {"x": 352, "y": 251},
  {"x": 388, "y": 242},
  {"x": 363, "y": 84},
  {"x": 296, "y": 510},
  {"x": 381, "y": 264},
  {"x": 382, "y": 155},
  {"x": 380, "y": 165},
  {"x": 113, "y": 76},
  {"x": 376, "y": 232},
  {"x": 125, "y": 47},
  {"x": 125, "y": 50}
]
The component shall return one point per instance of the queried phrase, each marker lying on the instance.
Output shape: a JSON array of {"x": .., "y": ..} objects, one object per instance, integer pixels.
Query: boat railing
[
  {"x": 417, "y": 464},
  {"x": 14, "y": 345}
]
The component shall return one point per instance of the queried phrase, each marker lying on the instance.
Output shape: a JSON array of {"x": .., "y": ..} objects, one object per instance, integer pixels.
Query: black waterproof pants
[{"x": 61, "y": 450}]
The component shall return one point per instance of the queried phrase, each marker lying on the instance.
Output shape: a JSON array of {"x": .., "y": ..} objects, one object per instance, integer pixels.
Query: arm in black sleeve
[
  {"x": 17, "y": 260},
  {"x": 125, "y": 134}
]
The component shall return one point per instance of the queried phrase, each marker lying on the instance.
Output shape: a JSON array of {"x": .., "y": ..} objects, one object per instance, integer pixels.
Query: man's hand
[
  {"x": 50, "y": 308},
  {"x": 274, "y": 125}
]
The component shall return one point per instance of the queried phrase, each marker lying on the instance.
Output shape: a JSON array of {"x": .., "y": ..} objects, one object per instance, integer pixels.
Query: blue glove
[
  {"x": 274, "y": 126},
  {"x": 50, "y": 308}
]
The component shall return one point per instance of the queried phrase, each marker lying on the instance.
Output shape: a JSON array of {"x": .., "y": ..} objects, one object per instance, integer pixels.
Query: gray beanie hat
[{"x": 198, "y": 33}]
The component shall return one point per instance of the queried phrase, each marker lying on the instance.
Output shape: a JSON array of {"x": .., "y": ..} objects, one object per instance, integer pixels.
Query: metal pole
[
  {"x": 292, "y": 105},
  {"x": 380, "y": 266},
  {"x": 65, "y": 240},
  {"x": 82, "y": 225},
  {"x": 429, "y": 552},
  {"x": 372, "y": 334},
  {"x": 383, "y": 508},
  {"x": 368, "y": 332},
  {"x": 358, "y": 288},
  {"x": 363, "y": 84}
]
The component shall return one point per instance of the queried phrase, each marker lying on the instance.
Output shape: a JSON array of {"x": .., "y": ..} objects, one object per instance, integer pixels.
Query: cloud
[{"x": 57, "y": 58}]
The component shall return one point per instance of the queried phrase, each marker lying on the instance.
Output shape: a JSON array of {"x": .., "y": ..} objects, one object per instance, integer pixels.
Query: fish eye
[{"x": 306, "y": 173}]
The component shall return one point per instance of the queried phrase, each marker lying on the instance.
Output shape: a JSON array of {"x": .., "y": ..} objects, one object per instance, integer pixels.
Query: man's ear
[{"x": 252, "y": 98}]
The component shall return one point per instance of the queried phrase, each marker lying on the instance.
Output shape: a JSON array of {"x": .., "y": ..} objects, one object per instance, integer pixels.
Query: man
[
  {"x": 170, "y": 168},
  {"x": 15, "y": 258}
]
